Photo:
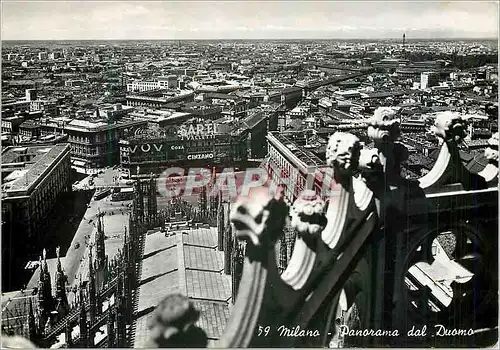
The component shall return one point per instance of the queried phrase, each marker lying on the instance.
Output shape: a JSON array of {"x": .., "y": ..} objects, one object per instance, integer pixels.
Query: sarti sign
[{"x": 197, "y": 132}]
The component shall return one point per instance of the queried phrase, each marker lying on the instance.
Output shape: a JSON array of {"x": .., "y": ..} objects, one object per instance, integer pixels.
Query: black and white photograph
[{"x": 249, "y": 174}]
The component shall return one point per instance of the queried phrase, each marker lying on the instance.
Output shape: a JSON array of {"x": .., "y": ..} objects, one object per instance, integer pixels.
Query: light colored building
[
  {"x": 429, "y": 79},
  {"x": 166, "y": 82},
  {"x": 295, "y": 167},
  {"x": 143, "y": 86},
  {"x": 31, "y": 95}
]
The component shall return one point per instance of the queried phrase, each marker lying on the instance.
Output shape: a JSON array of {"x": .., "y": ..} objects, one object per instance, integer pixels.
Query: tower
[
  {"x": 237, "y": 262},
  {"x": 202, "y": 201},
  {"x": 127, "y": 270},
  {"x": 152, "y": 203},
  {"x": 82, "y": 320},
  {"x": 228, "y": 245},
  {"x": 29, "y": 330},
  {"x": 60, "y": 284},
  {"x": 68, "y": 335},
  {"x": 220, "y": 223},
  {"x": 92, "y": 288},
  {"x": 138, "y": 203},
  {"x": 44, "y": 293},
  {"x": 282, "y": 263},
  {"x": 111, "y": 329},
  {"x": 100, "y": 248},
  {"x": 404, "y": 48},
  {"x": 121, "y": 339},
  {"x": 120, "y": 331},
  {"x": 100, "y": 263}
]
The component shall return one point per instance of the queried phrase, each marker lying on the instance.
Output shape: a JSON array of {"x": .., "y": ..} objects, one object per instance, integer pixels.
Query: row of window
[
  {"x": 89, "y": 150},
  {"x": 43, "y": 198},
  {"x": 92, "y": 139}
]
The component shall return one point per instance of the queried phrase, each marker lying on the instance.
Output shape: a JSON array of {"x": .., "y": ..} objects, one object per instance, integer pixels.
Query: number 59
[{"x": 265, "y": 330}]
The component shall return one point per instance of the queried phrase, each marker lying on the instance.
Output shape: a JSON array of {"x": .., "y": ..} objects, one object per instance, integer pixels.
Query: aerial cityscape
[{"x": 208, "y": 189}]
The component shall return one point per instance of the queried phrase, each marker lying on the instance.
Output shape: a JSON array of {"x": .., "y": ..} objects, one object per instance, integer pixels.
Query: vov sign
[{"x": 146, "y": 148}]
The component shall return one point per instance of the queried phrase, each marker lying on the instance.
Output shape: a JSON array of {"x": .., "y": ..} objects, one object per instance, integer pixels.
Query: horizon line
[{"x": 242, "y": 39}]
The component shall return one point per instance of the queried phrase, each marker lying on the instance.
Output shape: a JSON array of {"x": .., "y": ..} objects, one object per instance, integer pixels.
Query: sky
[{"x": 172, "y": 20}]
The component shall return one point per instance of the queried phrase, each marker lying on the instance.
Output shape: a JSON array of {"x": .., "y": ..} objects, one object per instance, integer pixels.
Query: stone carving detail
[
  {"x": 384, "y": 125},
  {"x": 491, "y": 152},
  {"x": 371, "y": 171},
  {"x": 307, "y": 213},
  {"x": 369, "y": 160},
  {"x": 308, "y": 218},
  {"x": 490, "y": 172},
  {"x": 172, "y": 324},
  {"x": 450, "y": 126},
  {"x": 250, "y": 216},
  {"x": 343, "y": 151}
]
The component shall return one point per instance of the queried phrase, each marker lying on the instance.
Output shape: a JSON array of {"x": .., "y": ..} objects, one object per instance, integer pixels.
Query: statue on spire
[{"x": 44, "y": 290}]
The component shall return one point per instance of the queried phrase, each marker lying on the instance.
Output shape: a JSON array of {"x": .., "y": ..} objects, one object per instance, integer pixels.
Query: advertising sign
[
  {"x": 200, "y": 156},
  {"x": 197, "y": 131},
  {"x": 146, "y": 148}
]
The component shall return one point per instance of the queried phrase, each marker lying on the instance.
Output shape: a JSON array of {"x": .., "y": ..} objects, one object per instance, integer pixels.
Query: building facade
[
  {"x": 33, "y": 178},
  {"x": 95, "y": 145},
  {"x": 201, "y": 146},
  {"x": 295, "y": 168},
  {"x": 30, "y": 189}
]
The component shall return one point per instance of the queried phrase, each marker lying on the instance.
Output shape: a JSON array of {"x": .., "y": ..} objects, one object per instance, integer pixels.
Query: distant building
[
  {"x": 160, "y": 101},
  {"x": 31, "y": 95},
  {"x": 290, "y": 96},
  {"x": 429, "y": 79},
  {"x": 11, "y": 124},
  {"x": 30, "y": 129},
  {"x": 142, "y": 86},
  {"x": 492, "y": 75},
  {"x": 55, "y": 55},
  {"x": 203, "y": 111},
  {"x": 75, "y": 83},
  {"x": 428, "y": 64},
  {"x": 256, "y": 124},
  {"x": 48, "y": 107},
  {"x": 11, "y": 108},
  {"x": 414, "y": 125},
  {"x": 406, "y": 73},
  {"x": 390, "y": 64},
  {"x": 166, "y": 82}
]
